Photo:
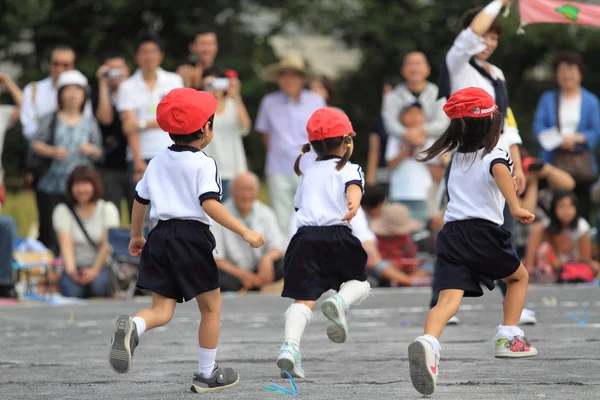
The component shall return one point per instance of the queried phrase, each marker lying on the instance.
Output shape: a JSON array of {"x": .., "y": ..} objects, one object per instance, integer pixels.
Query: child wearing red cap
[
  {"x": 472, "y": 248},
  {"x": 184, "y": 186},
  {"x": 324, "y": 254}
]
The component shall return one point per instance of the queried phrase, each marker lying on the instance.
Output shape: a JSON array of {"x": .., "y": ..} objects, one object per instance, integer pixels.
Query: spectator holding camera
[
  {"x": 231, "y": 124},
  {"x": 68, "y": 138},
  {"x": 113, "y": 166},
  {"x": 204, "y": 48}
]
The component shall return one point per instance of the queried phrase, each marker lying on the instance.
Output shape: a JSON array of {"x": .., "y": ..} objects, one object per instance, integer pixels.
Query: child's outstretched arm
[
  {"x": 354, "y": 195},
  {"x": 505, "y": 183},
  {"x": 136, "y": 244},
  {"x": 219, "y": 213}
]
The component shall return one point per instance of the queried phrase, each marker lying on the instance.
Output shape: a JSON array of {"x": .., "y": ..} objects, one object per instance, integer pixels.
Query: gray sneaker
[
  {"x": 221, "y": 378},
  {"x": 124, "y": 341}
]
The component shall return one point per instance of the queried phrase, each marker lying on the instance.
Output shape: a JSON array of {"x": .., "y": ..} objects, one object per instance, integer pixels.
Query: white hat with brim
[
  {"x": 395, "y": 220},
  {"x": 72, "y": 77},
  {"x": 292, "y": 63}
]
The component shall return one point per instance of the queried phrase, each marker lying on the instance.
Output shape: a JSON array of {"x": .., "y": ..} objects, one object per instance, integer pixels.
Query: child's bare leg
[
  {"x": 128, "y": 330},
  {"x": 515, "y": 296},
  {"x": 209, "y": 304},
  {"x": 446, "y": 307},
  {"x": 510, "y": 339},
  {"x": 160, "y": 314}
]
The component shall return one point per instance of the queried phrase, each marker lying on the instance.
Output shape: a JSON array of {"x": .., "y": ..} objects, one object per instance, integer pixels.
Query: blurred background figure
[
  {"x": 572, "y": 114},
  {"x": 231, "y": 124}
]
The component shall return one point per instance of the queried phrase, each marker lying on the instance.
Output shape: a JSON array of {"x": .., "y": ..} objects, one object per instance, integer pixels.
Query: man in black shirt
[
  {"x": 204, "y": 48},
  {"x": 113, "y": 166}
]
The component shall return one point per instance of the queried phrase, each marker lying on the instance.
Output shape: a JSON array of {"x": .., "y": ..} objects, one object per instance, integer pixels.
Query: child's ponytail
[
  {"x": 348, "y": 142},
  {"x": 305, "y": 149}
]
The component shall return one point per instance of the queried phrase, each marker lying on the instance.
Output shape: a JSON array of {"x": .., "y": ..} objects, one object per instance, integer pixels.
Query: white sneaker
[
  {"x": 453, "y": 321},
  {"x": 424, "y": 366},
  {"x": 334, "y": 309},
  {"x": 290, "y": 360},
  {"x": 518, "y": 347},
  {"x": 528, "y": 317}
]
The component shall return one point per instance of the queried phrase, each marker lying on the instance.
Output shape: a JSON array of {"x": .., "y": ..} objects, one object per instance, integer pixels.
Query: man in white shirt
[
  {"x": 138, "y": 98},
  {"x": 40, "y": 98},
  {"x": 240, "y": 266}
]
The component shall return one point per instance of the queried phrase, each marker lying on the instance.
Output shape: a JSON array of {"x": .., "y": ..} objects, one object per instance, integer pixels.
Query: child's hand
[
  {"x": 352, "y": 209},
  {"x": 136, "y": 244},
  {"x": 515, "y": 184},
  {"x": 524, "y": 216},
  {"x": 254, "y": 239}
]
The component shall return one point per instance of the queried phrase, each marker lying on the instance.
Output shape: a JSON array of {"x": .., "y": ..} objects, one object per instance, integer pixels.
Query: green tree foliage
[{"x": 385, "y": 30}]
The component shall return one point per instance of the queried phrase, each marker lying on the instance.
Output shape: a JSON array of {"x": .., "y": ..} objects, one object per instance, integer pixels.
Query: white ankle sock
[
  {"x": 508, "y": 332},
  {"x": 140, "y": 325},
  {"x": 297, "y": 318},
  {"x": 206, "y": 361},
  {"x": 435, "y": 344},
  {"x": 354, "y": 292}
]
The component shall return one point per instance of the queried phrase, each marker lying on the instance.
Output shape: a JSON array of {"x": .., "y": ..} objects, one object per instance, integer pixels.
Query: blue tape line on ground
[{"x": 278, "y": 389}]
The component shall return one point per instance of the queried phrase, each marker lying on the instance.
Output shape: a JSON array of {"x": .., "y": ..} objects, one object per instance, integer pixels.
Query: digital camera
[{"x": 218, "y": 84}]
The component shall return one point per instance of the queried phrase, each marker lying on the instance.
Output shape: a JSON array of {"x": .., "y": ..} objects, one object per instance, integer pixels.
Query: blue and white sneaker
[
  {"x": 290, "y": 360},
  {"x": 335, "y": 309}
]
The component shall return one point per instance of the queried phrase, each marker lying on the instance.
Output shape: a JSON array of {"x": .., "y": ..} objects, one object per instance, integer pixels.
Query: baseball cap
[
  {"x": 73, "y": 77},
  {"x": 470, "y": 102},
  {"x": 327, "y": 123},
  {"x": 185, "y": 111}
]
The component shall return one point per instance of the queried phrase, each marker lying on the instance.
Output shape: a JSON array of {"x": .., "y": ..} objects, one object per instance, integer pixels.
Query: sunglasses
[{"x": 61, "y": 64}]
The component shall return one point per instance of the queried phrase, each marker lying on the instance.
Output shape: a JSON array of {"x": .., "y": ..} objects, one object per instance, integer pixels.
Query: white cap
[{"x": 73, "y": 77}]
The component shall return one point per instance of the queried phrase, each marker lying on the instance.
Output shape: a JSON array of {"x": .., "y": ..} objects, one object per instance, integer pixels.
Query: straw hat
[
  {"x": 395, "y": 220},
  {"x": 291, "y": 63}
]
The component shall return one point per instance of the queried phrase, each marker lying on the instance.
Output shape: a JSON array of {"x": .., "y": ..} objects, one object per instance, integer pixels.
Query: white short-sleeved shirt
[
  {"x": 105, "y": 217},
  {"x": 135, "y": 95},
  {"x": 321, "y": 196},
  {"x": 177, "y": 181},
  {"x": 410, "y": 180},
  {"x": 472, "y": 189},
  {"x": 463, "y": 75}
]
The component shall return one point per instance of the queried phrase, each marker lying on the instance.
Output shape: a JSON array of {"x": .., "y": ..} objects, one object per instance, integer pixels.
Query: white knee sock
[
  {"x": 206, "y": 361},
  {"x": 140, "y": 325},
  {"x": 297, "y": 318},
  {"x": 354, "y": 292}
]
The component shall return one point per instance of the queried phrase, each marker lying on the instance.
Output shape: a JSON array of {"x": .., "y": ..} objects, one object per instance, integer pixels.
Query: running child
[
  {"x": 472, "y": 248},
  {"x": 324, "y": 254},
  {"x": 184, "y": 186}
]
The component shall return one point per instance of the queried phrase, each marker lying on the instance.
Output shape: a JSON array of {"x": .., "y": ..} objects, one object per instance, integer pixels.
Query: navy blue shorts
[
  {"x": 177, "y": 261},
  {"x": 320, "y": 258},
  {"x": 472, "y": 252}
]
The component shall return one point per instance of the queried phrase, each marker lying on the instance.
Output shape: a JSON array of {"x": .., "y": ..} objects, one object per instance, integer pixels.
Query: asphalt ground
[{"x": 60, "y": 352}]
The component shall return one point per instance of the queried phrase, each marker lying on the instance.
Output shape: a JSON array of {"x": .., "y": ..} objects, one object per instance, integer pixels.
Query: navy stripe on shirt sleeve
[
  {"x": 499, "y": 161},
  {"x": 355, "y": 182},
  {"x": 209, "y": 195},
  {"x": 141, "y": 200}
]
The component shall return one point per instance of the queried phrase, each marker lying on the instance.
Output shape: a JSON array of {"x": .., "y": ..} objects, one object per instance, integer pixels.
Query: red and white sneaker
[
  {"x": 518, "y": 347},
  {"x": 424, "y": 366}
]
